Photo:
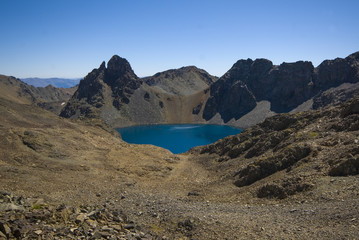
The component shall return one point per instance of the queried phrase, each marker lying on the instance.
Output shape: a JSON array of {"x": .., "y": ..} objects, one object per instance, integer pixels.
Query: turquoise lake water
[{"x": 176, "y": 138}]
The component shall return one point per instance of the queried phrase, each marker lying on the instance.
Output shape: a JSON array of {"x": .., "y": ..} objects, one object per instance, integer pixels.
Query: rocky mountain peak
[
  {"x": 102, "y": 66},
  {"x": 189, "y": 68},
  {"x": 93, "y": 90},
  {"x": 239, "y": 70},
  {"x": 261, "y": 65},
  {"x": 117, "y": 68}
]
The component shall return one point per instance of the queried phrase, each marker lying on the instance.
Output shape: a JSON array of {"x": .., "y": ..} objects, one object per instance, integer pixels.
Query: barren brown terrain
[{"x": 295, "y": 176}]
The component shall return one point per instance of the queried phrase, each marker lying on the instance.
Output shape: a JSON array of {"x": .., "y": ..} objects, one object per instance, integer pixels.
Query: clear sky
[{"x": 68, "y": 38}]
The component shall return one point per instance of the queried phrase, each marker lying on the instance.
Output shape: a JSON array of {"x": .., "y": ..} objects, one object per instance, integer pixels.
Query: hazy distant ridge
[{"x": 56, "y": 82}]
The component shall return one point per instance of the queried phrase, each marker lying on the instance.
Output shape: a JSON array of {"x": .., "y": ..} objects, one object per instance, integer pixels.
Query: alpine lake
[{"x": 177, "y": 138}]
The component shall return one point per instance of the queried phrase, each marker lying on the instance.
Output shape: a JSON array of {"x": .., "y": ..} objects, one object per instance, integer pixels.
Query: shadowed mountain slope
[{"x": 285, "y": 86}]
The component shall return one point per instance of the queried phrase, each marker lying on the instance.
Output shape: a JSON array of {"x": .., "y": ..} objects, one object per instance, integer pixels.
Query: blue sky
[{"x": 68, "y": 38}]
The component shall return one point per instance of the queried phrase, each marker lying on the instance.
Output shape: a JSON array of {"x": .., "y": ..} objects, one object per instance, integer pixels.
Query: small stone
[
  {"x": 129, "y": 226},
  {"x": 194, "y": 193},
  {"x": 2, "y": 236},
  {"x": 60, "y": 207},
  {"x": 5, "y": 229},
  {"x": 107, "y": 229},
  {"x": 96, "y": 235},
  {"x": 17, "y": 233},
  {"x": 91, "y": 223},
  {"x": 137, "y": 236},
  {"x": 118, "y": 228},
  {"x": 80, "y": 218},
  {"x": 98, "y": 194},
  {"x": 117, "y": 219},
  {"x": 92, "y": 214},
  {"x": 38, "y": 232},
  {"x": 105, "y": 234}
]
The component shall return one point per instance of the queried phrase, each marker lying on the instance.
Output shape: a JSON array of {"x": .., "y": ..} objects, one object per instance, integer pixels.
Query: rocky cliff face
[
  {"x": 285, "y": 86},
  {"x": 225, "y": 94},
  {"x": 332, "y": 73}
]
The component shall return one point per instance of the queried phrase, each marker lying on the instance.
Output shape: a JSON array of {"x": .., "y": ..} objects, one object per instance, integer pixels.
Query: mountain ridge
[
  {"x": 49, "y": 97},
  {"x": 285, "y": 86},
  {"x": 182, "y": 81},
  {"x": 115, "y": 94},
  {"x": 255, "y": 88}
]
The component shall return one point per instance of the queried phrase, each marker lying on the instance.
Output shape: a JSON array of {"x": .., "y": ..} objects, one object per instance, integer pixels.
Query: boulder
[{"x": 345, "y": 168}]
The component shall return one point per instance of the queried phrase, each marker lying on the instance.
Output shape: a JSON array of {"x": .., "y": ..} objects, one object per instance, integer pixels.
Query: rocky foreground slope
[
  {"x": 294, "y": 176},
  {"x": 287, "y": 153}
]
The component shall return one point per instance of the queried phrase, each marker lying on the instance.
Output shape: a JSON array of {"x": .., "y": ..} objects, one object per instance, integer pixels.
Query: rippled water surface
[{"x": 176, "y": 138}]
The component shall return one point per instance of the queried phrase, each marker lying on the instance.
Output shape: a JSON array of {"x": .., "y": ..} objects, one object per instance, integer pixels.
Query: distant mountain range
[{"x": 56, "y": 82}]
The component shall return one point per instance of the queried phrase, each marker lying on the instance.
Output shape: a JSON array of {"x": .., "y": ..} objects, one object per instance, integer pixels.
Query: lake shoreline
[{"x": 178, "y": 138}]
